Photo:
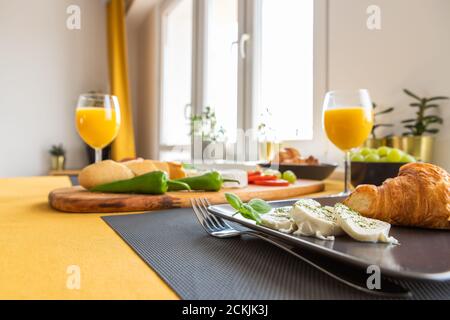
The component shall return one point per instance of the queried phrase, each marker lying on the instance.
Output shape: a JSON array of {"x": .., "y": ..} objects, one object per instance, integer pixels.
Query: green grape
[
  {"x": 289, "y": 176},
  {"x": 271, "y": 172},
  {"x": 383, "y": 151},
  {"x": 357, "y": 158},
  {"x": 395, "y": 155},
  {"x": 384, "y": 159},
  {"x": 365, "y": 151},
  {"x": 372, "y": 157},
  {"x": 407, "y": 158}
]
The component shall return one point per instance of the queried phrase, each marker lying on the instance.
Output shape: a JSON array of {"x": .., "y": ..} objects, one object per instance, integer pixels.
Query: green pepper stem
[
  {"x": 231, "y": 180},
  {"x": 178, "y": 186}
]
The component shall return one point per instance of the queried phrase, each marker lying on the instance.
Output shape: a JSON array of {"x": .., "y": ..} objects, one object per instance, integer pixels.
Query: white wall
[
  {"x": 43, "y": 68},
  {"x": 411, "y": 51}
]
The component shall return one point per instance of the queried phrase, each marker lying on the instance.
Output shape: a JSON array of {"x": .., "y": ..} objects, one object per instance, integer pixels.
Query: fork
[{"x": 346, "y": 273}]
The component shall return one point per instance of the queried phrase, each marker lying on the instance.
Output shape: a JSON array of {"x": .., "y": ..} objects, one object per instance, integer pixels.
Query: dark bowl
[
  {"x": 374, "y": 172},
  {"x": 309, "y": 172}
]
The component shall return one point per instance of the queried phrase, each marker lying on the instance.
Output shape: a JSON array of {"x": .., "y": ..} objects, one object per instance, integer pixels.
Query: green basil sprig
[{"x": 252, "y": 210}]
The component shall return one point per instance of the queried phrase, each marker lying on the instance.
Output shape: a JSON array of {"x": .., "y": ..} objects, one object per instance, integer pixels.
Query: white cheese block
[
  {"x": 279, "y": 219},
  {"x": 239, "y": 175},
  {"x": 314, "y": 220},
  {"x": 361, "y": 228}
]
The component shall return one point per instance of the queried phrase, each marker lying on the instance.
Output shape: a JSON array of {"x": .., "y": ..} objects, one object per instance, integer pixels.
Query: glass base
[{"x": 344, "y": 194}]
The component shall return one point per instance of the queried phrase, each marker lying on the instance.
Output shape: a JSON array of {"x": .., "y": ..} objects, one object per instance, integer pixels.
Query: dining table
[{"x": 41, "y": 249}]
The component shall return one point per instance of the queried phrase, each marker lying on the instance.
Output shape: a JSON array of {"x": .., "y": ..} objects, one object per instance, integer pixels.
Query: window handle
[
  {"x": 242, "y": 44},
  {"x": 188, "y": 111}
]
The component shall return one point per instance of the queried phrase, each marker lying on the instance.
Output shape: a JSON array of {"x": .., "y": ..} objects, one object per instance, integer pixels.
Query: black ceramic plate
[
  {"x": 374, "y": 172},
  {"x": 309, "y": 172},
  {"x": 421, "y": 255}
]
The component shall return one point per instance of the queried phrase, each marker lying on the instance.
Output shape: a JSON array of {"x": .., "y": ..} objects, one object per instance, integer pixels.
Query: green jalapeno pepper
[
  {"x": 211, "y": 181},
  {"x": 151, "y": 183}
]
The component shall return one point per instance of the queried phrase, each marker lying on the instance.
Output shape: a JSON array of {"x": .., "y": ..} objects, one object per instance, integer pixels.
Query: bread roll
[
  {"x": 162, "y": 166},
  {"x": 176, "y": 170},
  {"x": 140, "y": 167},
  {"x": 103, "y": 172}
]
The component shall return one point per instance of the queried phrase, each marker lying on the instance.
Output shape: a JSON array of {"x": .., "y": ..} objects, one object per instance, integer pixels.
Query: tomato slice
[
  {"x": 272, "y": 183},
  {"x": 261, "y": 178},
  {"x": 254, "y": 173}
]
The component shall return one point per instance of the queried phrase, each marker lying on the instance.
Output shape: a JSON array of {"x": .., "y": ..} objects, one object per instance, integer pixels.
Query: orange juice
[
  {"x": 98, "y": 127},
  {"x": 348, "y": 128}
]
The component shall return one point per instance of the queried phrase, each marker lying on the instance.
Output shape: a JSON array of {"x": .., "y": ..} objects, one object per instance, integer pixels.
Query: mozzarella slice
[
  {"x": 314, "y": 220},
  {"x": 279, "y": 219},
  {"x": 239, "y": 175},
  {"x": 361, "y": 228}
]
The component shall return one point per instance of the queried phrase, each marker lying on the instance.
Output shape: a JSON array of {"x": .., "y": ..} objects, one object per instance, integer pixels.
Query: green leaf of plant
[
  {"x": 433, "y": 120},
  {"x": 409, "y": 93},
  {"x": 234, "y": 201},
  {"x": 433, "y": 131},
  {"x": 416, "y": 105},
  {"x": 260, "y": 206},
  {"x": 409, "y": 121},
  {"x": 383, "y": 125},
  {"x": 389, "y": 110},
  {"x": 429, "y": 106},
  {"x": 249, "y": 213},
  {"x": 438, "y": 98}
]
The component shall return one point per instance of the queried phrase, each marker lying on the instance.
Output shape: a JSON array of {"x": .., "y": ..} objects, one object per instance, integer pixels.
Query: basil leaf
[
  {"x": 234, "y": 200},
  {"x": 260, "y": 206},
  {"x": 249, "y": 213}
]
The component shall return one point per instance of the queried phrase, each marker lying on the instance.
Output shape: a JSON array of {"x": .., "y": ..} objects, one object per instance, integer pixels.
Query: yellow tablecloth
[{"x": 39, "y": 245}]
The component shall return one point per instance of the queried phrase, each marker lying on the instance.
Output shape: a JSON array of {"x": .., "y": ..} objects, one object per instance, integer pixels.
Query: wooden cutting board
[{"x": 78, "y": 200}]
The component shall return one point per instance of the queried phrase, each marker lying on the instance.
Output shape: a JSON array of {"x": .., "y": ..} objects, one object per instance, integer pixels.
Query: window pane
[
  {"x": 177, "y": 62},
  {"x": 287, "y": 67},
  {"x": 223, "y": 64}
]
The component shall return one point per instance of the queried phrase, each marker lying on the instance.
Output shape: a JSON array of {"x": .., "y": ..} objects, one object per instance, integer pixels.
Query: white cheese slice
[
  {"x": 361, "y": 228},
  {"x": 239, "y": 175},
  {"x": 314, "y": 220},
  {"x": 279, "y": 219}
]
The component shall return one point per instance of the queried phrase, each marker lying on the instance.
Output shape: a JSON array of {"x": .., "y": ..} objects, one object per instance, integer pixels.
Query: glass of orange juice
[
  {"x": 348, "y": 121},
  {"x": 98, "y": 120}
]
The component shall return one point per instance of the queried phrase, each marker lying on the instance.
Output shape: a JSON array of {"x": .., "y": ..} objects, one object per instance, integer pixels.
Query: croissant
[{"x": 418, "y": 197}]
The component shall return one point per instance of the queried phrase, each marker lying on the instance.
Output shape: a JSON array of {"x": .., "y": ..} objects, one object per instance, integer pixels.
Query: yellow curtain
[{"x": 124, "y": 145}]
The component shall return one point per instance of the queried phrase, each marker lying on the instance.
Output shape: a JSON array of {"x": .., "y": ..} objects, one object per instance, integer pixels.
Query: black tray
[
  {"x": 304, "y": 171},
  {"x": 422, "y": 254}
]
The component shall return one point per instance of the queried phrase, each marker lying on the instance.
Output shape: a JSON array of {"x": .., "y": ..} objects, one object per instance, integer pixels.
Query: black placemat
[{"x": 197, "y": 266}]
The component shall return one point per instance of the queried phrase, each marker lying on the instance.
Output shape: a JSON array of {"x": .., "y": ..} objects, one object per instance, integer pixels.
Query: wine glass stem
[
  {"x": 98, "y": 155},
  {"x": 348, "y": 173}
]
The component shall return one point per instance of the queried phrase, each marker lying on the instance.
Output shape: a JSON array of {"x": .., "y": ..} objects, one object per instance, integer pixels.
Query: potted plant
[
  {"x": 374, "y": 141},
  {"x": 204, "y": 127},
  {"x": 418, "y": 139},
  {"x": 58, "y": 157}
]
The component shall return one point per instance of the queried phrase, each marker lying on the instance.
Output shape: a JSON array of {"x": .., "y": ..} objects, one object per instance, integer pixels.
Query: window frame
[{"x": 249, "y": 16}]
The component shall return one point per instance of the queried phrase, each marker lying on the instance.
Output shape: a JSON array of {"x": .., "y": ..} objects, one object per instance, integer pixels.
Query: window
[
  {"x": 222, "y": 63},
  {"x": 286, "y": 67},
  {"x": 176, "y": 72},
  {"x": 250, "y": 56}
]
